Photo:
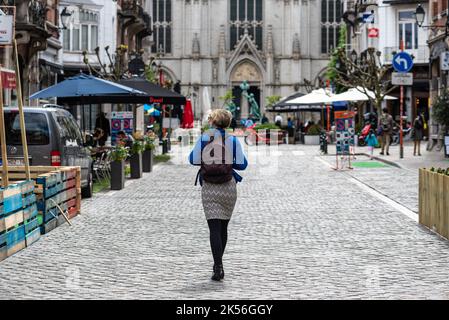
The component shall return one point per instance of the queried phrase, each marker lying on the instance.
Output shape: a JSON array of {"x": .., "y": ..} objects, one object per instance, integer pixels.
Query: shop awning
[{"x": 156, "y": 93}]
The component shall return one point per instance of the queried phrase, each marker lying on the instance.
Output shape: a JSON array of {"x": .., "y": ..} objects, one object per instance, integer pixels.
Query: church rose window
[
  {"x": 162, "y": 17},
  {"x": 331, "y": 13},
  {"x": 246, "y": 14}
]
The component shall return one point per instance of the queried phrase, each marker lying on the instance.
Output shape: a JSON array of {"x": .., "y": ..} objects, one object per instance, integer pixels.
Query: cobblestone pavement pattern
[{"x": 300, "y": 230}]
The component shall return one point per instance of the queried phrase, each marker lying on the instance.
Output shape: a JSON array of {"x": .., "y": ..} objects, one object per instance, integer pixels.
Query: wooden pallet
[
  {"x": 49, "y": 226},
  {"x": 32, "y": 237},
  {"x": 11, "y": 220},
  {"x": 15, "y": 247},
  {"x": 3, "y": 252},
  {"x": 30, "y": 212}
]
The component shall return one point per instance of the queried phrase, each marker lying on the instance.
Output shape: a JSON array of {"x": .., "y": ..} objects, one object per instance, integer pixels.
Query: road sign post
[{"x": 402, "y": 63}]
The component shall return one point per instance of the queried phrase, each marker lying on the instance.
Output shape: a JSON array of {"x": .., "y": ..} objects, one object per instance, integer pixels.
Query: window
[
  {"x": 66, "y": 36},
  {"x": 84, "y": 37},
  {"x": 36, "y": 128},
  {"x": 162, "y": 26},
  {"x": 331, "y": 13},
  {"x": 76, "y": 38},
  {"x": 408, "y": 30},
  {"x": 93, "y": 37},
  {"x": 83, "y": 34},
  {"x": 246, "y": 15}
]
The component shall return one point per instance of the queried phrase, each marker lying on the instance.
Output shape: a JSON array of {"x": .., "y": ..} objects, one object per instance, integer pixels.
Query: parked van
[{"x": 54, "y": 139}]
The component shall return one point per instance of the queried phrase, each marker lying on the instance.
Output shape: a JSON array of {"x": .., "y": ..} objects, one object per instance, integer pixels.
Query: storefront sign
[
  {"x": 344, "y": 121},
  {"x": 368, "y": 17},
  {"x": 373, "y": 33},
  {"x": 6, "y": 29},
  {"x": 444, "y": 61},
  {"x": 155, "y": 100},
  {"x": 8, "y": 79},
  {"x": 121, "y": 121}
]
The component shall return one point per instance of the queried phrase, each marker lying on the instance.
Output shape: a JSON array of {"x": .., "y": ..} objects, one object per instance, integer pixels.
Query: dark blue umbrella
[{"x": 86, "y": 89}]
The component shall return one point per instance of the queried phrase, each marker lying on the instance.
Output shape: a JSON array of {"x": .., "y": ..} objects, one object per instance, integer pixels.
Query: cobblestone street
[{"x": 300, "y": 230}]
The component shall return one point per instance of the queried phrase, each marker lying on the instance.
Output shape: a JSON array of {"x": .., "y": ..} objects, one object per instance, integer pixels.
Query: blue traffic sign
[{"x": 402, "y": 62}]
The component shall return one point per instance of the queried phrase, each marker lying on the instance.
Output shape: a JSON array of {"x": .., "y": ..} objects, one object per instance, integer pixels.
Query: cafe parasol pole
[
  {"x": 5, "y": 178},
  {"x": 21, "y": 116}
]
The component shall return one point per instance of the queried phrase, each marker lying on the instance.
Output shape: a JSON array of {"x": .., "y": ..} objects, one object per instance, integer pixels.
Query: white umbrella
[
  {"x": 207, "y": 108},
  {"x": 319, "y": 96},
  {"x": 357, "y": 94}
]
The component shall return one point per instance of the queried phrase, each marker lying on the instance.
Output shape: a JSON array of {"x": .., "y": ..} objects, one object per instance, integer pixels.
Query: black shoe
[
  {"x": 221, "y": 272},
  {"x": 216, "y": 274},
  {"x": 381, "y": 153},
  {"x": 388, "y": 153}
]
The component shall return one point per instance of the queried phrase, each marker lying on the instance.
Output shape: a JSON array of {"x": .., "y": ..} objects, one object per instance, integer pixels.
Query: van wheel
[{"x": 88, "y": 191}]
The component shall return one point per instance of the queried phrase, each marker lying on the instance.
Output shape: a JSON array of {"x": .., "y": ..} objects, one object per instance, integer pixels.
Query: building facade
[
  {"x": 438, "y": 43},
  {"x": 214, "y": 45}
]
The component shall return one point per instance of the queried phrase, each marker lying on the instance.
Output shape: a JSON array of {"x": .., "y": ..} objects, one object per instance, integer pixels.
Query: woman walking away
[
  {"x": 372, "y": 142},
  {"x": 418, "y": 126},
  {"x": 218, "y": 154}
]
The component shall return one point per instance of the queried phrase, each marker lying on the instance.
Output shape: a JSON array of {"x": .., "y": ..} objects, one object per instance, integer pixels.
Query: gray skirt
[{"x": 219, "y": 199}]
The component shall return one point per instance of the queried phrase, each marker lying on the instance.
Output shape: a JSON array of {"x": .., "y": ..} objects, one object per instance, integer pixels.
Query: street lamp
[
  {"x": 420, "y": 13},
  {"x": 65, "y": 18}
]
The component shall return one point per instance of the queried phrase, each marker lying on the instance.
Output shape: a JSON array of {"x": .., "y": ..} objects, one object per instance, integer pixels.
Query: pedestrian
[
  {"x": 124, "y": 139},
  {"x": 278, "y": 120},
  {"x": 386, "y": 125},
  {"x": 372, "y": 142},
  {"x": 417, "y": 133},
  {"x": 233, "y": 124},
  {"x": 219, "y": 155},
  {"x": 264, "y": 119},
  {"x": 103, "y": 123}
]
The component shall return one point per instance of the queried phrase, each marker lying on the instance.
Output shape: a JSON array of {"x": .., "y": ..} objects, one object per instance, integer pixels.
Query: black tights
[{"x": 218, "y": 238}]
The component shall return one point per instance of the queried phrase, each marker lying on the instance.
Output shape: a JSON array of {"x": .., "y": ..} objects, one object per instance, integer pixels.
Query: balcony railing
[{"x": 421, "y": 54}]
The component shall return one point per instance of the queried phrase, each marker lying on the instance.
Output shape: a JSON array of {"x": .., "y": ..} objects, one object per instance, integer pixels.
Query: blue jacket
[
  {"x": 371, "y": 140},
  {"x": 239, "y": 160}
]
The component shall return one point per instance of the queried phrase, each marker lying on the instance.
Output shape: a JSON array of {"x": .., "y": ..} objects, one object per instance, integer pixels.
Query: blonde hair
[{"x": 220, "y": 118}]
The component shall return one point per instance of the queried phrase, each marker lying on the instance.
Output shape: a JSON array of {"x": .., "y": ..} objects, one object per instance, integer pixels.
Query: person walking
[
  {"x": 418, "y": 128},
  {"x": 386, "y": 125},
  {"x": 219, "y": 155},
  {"x": 278, "y": 120},
  {"x": 372, "y": 142}
]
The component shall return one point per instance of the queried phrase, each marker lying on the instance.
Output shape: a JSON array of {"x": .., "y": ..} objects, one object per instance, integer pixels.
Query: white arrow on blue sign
[{"x": 402, "y": 62}]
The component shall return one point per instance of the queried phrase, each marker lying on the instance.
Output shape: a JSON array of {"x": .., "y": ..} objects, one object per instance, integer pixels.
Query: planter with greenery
[
  {"x": 147, "y": 157},
  {"x": 118, "y": 156},
  {"x": 313, "y": 135},
  {"x": 136, "y": 160},
  {"x": 441, "y": 111}
]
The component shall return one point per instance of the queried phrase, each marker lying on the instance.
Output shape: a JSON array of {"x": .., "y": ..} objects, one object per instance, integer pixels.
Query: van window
[
  {"x": 36, "y": 125},
  {"x": 68, "y": 128}
]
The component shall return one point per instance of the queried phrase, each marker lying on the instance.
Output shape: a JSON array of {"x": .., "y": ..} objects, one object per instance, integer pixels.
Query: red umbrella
[{"x": 187, "y": 118}]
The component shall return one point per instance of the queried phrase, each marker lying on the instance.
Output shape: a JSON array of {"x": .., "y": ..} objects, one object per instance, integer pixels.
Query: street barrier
[
  {"x": 33, "y": 207},
  {"x": 434, "y": 201}
]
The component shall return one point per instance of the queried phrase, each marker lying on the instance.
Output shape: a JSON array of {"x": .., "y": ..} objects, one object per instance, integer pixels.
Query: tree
[
  {"x": 441, "y": 109},
  {"x": 227, "y": 98},
  {"x": 272, "y": 100},
  {"x": 365, "y": 74},
  {"x": 335, "y": 62}
]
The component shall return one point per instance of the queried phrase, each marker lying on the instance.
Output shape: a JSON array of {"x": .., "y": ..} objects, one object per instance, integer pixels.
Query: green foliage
[
  {"x": 314, "y": 130},
  {"x": 331, "y": 71},
  {"x": 137, "y": 147},
  {"x": 156, "y": 128},
  {"x": 118, "y": 153},
  {"x": 358, "y": 128},
  {"x": 227, "y": 97},
  {"x": 161, "y": 158},
  {"x": 440, "y": 171},
  {"x": 266, "y": 126},
  {"x": 272, "y": 100},
  {"x": 148, "y": 141},
  {"x": 441, "y": 109},
  {"x": 150, "y": 75}
]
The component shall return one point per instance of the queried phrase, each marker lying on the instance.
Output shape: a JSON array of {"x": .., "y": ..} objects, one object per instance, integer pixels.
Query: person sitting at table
[{"x": 98, "y": 136}]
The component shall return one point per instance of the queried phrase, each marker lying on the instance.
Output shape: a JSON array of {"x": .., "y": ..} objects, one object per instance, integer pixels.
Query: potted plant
[
  {"x": 135, "y": 160},
  {"x": 313, "y": 135},
  {"x": 118, "y": 156},
  {"x": 147, "y": 157}
]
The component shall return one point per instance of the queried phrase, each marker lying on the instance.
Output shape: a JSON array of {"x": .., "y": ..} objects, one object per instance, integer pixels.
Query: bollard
[{"x": 164, "y": 146}]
